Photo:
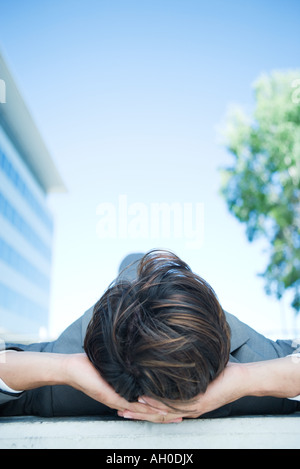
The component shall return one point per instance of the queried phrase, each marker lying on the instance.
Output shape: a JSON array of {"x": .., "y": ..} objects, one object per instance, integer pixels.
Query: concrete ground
[{"x": 255, "y": 432}]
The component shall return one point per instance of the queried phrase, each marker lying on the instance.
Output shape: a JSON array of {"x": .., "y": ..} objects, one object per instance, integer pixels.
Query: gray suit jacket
[{"x": 246, "y": 346}]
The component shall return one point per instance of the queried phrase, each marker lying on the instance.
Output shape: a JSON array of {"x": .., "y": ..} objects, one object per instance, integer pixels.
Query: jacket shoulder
[
  {"x": 71, "y": 340},
  {"x": 240, "y": 333},
  {"x": 248, "y": 345}
]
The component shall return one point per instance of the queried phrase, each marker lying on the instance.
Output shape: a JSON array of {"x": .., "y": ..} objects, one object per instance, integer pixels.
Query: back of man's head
[{"x": 163, "y": 334}]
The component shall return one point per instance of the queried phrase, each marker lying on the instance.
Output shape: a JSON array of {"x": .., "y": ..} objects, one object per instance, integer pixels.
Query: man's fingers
[
  {"x": 155, "y": 418},
  {"x": 177, "y": 407},
  {"x": 157, "y": 405},
  {"x": 136, "y": 407}
]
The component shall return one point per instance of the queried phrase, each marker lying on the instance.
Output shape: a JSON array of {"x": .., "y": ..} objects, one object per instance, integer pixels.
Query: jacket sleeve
[{"x": 6, "y": 396}]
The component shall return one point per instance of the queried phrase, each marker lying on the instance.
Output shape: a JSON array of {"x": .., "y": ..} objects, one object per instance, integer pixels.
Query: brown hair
[{"x": 162, "y": 335}]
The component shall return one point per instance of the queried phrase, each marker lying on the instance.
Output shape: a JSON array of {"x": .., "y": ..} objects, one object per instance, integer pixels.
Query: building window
[
  {"x": 13, "y": 175},
  {"x": 15, "y": 302},
  {"x": 11, "y": 214},
  {"x": 21, "y": 265}
]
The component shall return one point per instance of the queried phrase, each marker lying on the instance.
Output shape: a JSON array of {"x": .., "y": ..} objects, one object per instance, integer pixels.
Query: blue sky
[{"x": 129, "y": 96}]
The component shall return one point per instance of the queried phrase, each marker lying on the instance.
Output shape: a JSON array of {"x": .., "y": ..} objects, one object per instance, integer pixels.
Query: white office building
[{"x": 27, "y": 175}]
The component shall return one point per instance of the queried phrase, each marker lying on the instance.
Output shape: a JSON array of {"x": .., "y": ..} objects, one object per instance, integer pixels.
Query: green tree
[{"x": 262, "y": 186}]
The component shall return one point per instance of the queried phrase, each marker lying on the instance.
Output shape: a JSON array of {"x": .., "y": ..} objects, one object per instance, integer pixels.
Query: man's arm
[
  {"x": 278, "y": 378},
  {"x": 22, "y": 371},
  {"x": 28, "y": 370}
]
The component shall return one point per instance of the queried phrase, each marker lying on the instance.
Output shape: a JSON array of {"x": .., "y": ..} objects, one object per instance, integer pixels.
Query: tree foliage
[{"x": 262, "y": 186}]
